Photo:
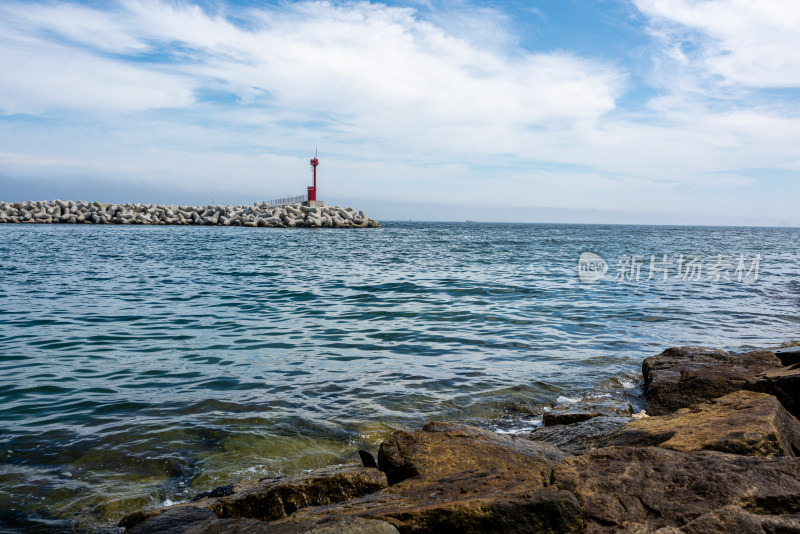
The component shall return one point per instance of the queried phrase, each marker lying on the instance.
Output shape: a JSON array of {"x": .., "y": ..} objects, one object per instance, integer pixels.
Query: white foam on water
[
  {"x": 518, "y": 426},
  {"x": 628, "y": 383},
  {"x": 514, "y": 431},
  {"x": 567, "y": 400}
]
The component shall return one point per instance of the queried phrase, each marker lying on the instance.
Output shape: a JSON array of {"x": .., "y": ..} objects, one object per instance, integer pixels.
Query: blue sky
[{"x": 630, "y": 111}]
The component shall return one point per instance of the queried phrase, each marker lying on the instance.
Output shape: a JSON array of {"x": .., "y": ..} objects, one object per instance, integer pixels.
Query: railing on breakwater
[{"x": 286, "y": 200}]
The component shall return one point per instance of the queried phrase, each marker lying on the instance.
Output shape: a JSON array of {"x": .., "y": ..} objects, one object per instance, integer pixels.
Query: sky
[{"x": 587, "y": 111}]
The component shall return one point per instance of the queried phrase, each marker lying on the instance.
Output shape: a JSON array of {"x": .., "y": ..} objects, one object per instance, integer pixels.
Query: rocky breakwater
[
  {"x": 256, "y": 215},
  {"x": 720, "y": 456}
]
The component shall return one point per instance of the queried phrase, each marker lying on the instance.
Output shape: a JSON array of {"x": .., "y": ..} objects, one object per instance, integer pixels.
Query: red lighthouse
[{"x": 312, "y": 190}]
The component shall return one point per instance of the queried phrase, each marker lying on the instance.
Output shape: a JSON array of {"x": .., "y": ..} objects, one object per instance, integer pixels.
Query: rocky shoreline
[
  {"x": 256, "y": 215},
  {"x": 716, "y": 450}
]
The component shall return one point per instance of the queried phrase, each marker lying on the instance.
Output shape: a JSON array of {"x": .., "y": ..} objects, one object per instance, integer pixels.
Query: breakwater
[{"x": 255, "y": 215}]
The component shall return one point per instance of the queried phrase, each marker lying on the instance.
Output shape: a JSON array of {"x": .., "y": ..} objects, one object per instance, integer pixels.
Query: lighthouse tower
[{"x": 312, "y": 189}]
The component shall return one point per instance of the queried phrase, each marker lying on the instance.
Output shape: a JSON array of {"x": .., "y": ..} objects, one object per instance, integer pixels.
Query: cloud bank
[{"x": 407, "y": 104}]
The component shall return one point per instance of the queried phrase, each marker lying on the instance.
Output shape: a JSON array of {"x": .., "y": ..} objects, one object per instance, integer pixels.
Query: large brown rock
[
  {"x": 736, "y": 520},
  {"x": 271, "y": 499},
  {"x": 347, "y": 525},
  {"x": 783, "y": 383},
  {"x": 682, "y": 376},
  {"x": 643, "y": 489},
  {"x": 458, "y": 478},
  {"x": 179, "y": 521},
  {"x": 788, "y": 355},
  {"x": 443, "y": 448},
  {"x": 743, "y": 422},
  {"x": 276, "y": 498},
  {"x": 486, "y": 502}
]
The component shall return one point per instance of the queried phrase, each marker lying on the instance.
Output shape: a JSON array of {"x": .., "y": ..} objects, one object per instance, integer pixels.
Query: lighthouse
[{"x": 312, "y": 189}]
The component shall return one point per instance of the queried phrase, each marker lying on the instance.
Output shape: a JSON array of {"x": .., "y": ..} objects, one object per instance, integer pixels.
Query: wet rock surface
[
  {"x": 682, "y": 376},
  {"x": 581, "y": 437},
  {"x": 723, "y": 463},
  {"x": 567, "y": 417},
  {"x": 271, "y": 499},
  {"x": 586, "y": 408},
  {"x": 256, "y": 215}
]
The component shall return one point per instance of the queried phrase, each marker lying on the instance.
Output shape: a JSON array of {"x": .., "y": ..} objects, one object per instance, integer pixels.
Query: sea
[{"x": 140, "y": 365}]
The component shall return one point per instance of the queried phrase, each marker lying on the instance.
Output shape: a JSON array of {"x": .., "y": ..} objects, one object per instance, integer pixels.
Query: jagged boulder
[
  {"x": 194, "y": 520},
  {"x": 492, "y": 501},
  {"x": 788, "y": 355},
  {"x": 271, "y": 499},
  {"x": 458, "y": 478},
  {"x": 682, "y": 376},
  {"x": 643, "y": 489},
  {"x": 443, "y": 448},
  {"x": 743, "y": 422},
  {"x": 783, "y": 383},
  {"x": 735, "y": 519}
]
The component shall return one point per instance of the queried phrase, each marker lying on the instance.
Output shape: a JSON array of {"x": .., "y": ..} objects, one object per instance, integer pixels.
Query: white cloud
[
  {"x": 100, "y": 30},
  {"x": 54, "y": 58},
  {"x": 378, "y": 70},
  {"x": 52, "y": 77},
  {"x": 753, "y": 43},
  {"x": 402, "y": 106}
]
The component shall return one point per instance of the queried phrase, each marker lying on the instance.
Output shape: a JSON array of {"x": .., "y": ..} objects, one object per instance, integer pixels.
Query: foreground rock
[
  {"x": 446, "y": 448},
  {"x": 642, "y": 489},
  {"x": 459, "y": 503},
  {"x": 783, "y": 383},
  {"x": 682, "y": 376},
  {"x": 257, "y": 215},
  {"x": 194, "y": 520},
  {"x": 458, "y": 478},
  {"x": 272, "y": 499},
  {"x": 735, "y": 519},
  {"x": 743, "y": 422},
  {"x": 447, "y": 477},
  {"x": 719, "y": 464},
  {"x": 788, "y": 355}
]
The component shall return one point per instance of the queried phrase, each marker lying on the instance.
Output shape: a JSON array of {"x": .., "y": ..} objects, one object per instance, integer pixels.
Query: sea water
[{"x": 140, "y": 365}]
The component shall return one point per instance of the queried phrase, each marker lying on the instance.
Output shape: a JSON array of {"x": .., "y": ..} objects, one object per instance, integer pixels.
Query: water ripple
[{"x": 146, "y": 363}]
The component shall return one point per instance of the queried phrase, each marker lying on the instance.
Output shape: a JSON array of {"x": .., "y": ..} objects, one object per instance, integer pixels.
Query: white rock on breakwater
[{"x": 261, "y": 215}]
